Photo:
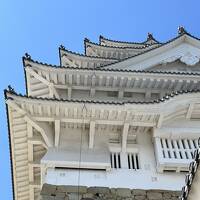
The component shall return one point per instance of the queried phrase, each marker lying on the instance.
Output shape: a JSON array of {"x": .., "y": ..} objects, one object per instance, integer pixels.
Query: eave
[
  {"x": 174, "y": 95},
  {"x": 30, "y": 62},
  {"x": 95, "y": 49},
  {"x": 69, "y": 58}
]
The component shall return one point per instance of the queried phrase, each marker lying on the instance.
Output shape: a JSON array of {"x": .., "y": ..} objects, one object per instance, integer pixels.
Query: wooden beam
[
  {"x": 85, "y": 80},
  {"x": 128, "y": 83},
  {"x": 120, "y": 94},
  {"x": 71, "y": 63},
  {"x": 107, "y": 81},
  {"x": 160, "y": 120},
  {"x": 148, "y": 94},
  {"x": 92, "y": 51},
  {"x": 37, "y": 125},
  {"x": 57, "y": 132},
  {"x": 98, "y": 121},
  {"x": 69, "y": 93},
  {"x": 121, "y": 82},
  {"x": 125, "y": 136},
  {"x": 29, "y": 120},
  {"x": 92, "y": 91},
  {"x": 37, "y": 76},
  {"x": 91, "y": 134},
  {"x": 54, "y": 91},
  {"x": 189, "y": 112},
  {"x": 178, "y": 85}
]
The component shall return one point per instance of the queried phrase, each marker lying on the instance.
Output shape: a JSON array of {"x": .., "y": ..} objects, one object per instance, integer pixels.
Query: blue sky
[{"x": 39, "y": 27}]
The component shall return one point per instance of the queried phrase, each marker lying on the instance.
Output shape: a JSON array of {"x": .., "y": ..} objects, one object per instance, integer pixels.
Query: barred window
[
  {"x": 133, "y": 161},
  {"x": 115, "y": 160}
]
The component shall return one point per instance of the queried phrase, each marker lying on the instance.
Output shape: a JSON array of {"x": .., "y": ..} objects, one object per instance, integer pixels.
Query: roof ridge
[
  {"x": 149, "y": 37},
  {"x": 116, "y": 47},
  {"x": 167, "y": 97}
]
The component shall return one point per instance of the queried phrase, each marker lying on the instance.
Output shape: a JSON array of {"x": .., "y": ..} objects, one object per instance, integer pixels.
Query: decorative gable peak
[
  {"x": 188, "y": 58},
  {"x": 181, "y": 30}
]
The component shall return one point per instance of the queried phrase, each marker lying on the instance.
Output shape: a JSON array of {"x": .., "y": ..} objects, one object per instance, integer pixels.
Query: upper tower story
[{"x": 157, "y": 70}]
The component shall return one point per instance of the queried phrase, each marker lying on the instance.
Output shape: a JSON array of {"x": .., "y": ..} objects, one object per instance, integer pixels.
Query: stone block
[
  {"x": 138, "y": 192},
  {"x": 128, "y": 198},
  {"x": 113, "y": 191},
  {"x": 59, "y": 198},
  {"x": 100, "y": 190},
  {"x": 47, "y": 197},
  {"x": 88, "y": 195},
  {"x": 123, "y": 192},
  {"x": 167, "y": 195},
  {"x": 60, "y": 194},
  {"x": 48, "y": 189},
  {"x": 72, "y": 189},
  {"x": 176, "y": 193},
  {"x": 62, "y": 188},
  {"x": 140, "y": 197},
  {"x": 154, "y": 195}
]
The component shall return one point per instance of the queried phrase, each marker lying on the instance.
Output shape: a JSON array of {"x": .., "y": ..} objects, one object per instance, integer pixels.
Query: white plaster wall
[{"x": 144, "y": 178}]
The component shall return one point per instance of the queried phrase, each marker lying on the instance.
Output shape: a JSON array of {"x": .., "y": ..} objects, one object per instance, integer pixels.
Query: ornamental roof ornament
[
  {"x": 150, "y": 36},
  {"x": 62, "y": 47},
  {"x": 11, "y": 89},
  {"x": 86, "y": 40},
  {"x": 181, "y": 30},
  {"x": 27, "y": 56}
]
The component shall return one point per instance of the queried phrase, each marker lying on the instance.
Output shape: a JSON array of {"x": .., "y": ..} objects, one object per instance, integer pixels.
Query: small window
[
  {"x": 115, "y": 160},
  {"x": 133, "y": 161}
]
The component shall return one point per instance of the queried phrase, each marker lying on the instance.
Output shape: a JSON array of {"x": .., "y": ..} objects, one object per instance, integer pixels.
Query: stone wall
[{"x": 52, "y": 192}]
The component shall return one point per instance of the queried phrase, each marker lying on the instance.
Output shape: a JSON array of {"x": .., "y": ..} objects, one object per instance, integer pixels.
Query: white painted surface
[
  {"x": 123, "y": 178},
  {"x": 146, "y": 177}
]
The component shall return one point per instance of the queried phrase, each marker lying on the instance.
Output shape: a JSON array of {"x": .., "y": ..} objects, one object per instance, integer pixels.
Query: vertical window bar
[
  {"x": 137, "y": 161},
  {"x": 134, "y": 161},
  {"x": 111, "y": 160},
  {"x": 119, "y": 161},
  {"x": 129, "y": 161},
  {"x": 115, "y": 163}
]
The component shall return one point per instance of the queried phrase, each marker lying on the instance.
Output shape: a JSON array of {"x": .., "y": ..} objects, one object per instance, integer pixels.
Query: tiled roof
[
  {"x": 86, "y": 40},
  {"x": 149, "y": 37},
  {"x": 110, "y": 69},
  {"x": 160, "y": 100},
  {"x": 83, "y": 55}
]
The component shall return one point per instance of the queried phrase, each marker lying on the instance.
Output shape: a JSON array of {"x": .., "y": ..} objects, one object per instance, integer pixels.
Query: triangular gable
[{"x": 185, "y": 48}]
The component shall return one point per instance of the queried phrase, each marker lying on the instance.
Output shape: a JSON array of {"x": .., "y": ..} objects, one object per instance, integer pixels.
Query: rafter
[
  {"x": 57, "y": 132},
  {"x": 125, "y": 136},
  {"x": 28, "y": 119},
  {"x": 91, "y": 134},
  {"x": 52, "y": 89},
  {"x": 189, "y": 112}
]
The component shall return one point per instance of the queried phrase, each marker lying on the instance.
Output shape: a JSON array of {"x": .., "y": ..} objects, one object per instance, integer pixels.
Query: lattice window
[
  {"x": 115, "y": 160},
  {"x": 174, "y": 154},
  {"x": 178, "y": 149},
  {"x": 133, "y": 161}
]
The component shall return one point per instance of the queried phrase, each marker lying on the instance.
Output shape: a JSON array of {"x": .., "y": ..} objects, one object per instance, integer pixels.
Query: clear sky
[{"x": 40, "y": 26}]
